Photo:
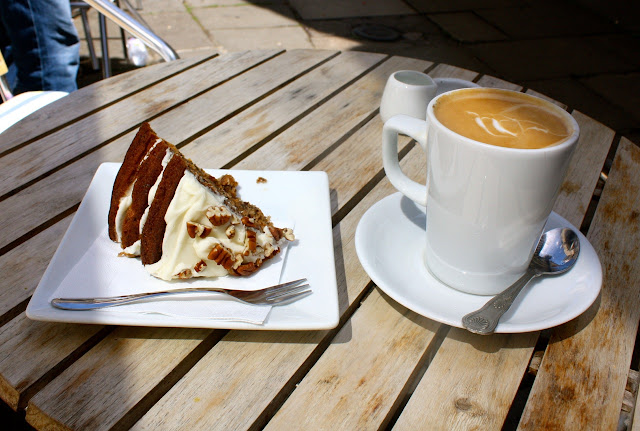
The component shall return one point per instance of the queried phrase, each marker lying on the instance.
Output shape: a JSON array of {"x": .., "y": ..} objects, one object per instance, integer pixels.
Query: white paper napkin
[{"x": 101, "y": 272}]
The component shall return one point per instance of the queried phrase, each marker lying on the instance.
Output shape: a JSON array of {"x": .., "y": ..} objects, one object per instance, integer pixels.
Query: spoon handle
[{"x": 484, "y": 320}]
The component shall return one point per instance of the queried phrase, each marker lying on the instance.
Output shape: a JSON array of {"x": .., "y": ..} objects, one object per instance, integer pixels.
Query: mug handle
[{"x": 415, "y": 128}]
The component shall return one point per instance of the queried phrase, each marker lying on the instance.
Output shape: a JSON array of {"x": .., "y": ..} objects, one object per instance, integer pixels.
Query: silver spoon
[{"x": 557, "y": 252}]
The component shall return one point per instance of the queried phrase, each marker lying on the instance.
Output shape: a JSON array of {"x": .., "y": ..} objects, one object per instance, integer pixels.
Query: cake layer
[{"x": 183, "y": 222}]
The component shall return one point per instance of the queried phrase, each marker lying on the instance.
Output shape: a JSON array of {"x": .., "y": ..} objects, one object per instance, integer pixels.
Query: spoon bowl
[{"x": 556, "y": 253}]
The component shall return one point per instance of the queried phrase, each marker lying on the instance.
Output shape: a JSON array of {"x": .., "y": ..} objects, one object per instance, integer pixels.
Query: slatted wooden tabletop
[{"x": 384, "y": 366}]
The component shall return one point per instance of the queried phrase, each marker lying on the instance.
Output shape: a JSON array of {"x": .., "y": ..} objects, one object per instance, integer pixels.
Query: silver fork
[{"x": 279, "y": 294}]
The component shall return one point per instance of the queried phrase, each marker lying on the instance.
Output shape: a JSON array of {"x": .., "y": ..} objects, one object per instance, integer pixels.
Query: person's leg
[{"x": 44, "y": 44}]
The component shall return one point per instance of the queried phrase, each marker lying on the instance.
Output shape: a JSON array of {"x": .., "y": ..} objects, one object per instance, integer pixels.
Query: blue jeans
[{"x": 40, "y": 45}]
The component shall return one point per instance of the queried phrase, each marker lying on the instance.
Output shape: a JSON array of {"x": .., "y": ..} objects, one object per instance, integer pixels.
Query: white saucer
[{"x": 390, "y": 242}]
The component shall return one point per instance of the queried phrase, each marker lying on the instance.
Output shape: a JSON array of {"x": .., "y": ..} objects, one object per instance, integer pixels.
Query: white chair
[{"x": 15, "y": 108}]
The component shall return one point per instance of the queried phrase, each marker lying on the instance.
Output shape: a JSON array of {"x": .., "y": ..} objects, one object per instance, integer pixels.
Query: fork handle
[{"x": 95, "y": 303}]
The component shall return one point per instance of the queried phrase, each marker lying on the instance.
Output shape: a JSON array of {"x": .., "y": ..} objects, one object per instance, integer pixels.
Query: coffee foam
[{"x": 502, "y": 119}]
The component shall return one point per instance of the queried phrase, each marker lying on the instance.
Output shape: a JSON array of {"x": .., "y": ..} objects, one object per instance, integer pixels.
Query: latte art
[{"x": 504, "y": 120}]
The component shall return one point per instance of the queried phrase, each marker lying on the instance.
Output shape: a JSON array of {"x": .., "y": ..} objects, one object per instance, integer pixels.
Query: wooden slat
[
  {"x": 251, "y": 127},
  {"x": 581, "y": 381},
  {"x": 270, "y": 361},
  {"x": 22, "y": 364},
  {"x": 88, "y": 99},
  {"x": 470, "y": 384},
  {"x": 363, "y": 147},
  {"x": 64, "y": 188},
  {"x": 448, "y": 71},
  {"x": 28, "y": 163},
  {"x": 542, "y": 96},
  {"x": 493, "y": 82},
  {"x": 117, "y": 374},
  {"x": 22, "y": 267},
  {"x": 325, "y": 126},
  {"x": 591, "y": 153},
  {"x": 363, "y": 374}
]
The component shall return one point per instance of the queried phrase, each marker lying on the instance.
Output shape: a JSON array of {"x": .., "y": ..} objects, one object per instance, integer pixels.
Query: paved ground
[{"x": 585, "y": 53}]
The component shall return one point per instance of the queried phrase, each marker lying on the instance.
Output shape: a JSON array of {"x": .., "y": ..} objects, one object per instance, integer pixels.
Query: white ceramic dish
[
  {"x": 390, "y": 243},
  {"x": 299, "y": 196}
]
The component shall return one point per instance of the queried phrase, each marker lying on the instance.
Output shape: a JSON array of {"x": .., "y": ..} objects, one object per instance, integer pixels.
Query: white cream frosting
[
  {"x": 180, "y": 252},
  {"x": 123, "y": 206}
]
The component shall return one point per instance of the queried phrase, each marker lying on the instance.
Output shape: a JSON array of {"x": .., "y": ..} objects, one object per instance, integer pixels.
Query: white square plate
[{"x": 287, "y": 195}]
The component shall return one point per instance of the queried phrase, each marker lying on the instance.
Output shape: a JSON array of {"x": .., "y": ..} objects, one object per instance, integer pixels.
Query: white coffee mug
[
  {"x": 486, "y": 205},
  {"x": 407, "y": 92}
]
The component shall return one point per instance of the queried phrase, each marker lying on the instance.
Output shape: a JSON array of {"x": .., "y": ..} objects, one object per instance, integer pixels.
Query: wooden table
[{"x": 384, "y": 366}]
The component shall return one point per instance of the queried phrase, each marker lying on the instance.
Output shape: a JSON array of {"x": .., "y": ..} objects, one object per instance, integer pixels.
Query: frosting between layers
[
  {"x": 123, "y": 206},
  {"x": 126, "y": 200},
  {"x": 134, "y": 249}
]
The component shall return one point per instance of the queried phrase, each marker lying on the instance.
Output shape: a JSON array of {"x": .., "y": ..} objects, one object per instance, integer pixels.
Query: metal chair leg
[
  {"x": 87, "y": 33},
  {"x": 104, "y": 44}
]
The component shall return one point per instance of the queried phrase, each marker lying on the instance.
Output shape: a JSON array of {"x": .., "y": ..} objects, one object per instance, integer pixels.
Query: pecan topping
[
  {"x": 250, "y": 242},
  {"x": 238, "y": 262},
  {"x": 196, "y": 229},
  {"x": 268, "y": 249},
  {"x": 228, "y": 183},
  {"x": 221, "y": 256},
  {"x": 246, "y": 269},
  {"x": 261, "y": 180},
  {"x": 199, "y": 266},
  {"x": 288, "y": 234},
  {"x": 231, "y": 232},
  {"x": 183, "y": 275},
  {"x": 249, "y": 222},
  {"x": 276, "y": 232},
  {"x": 124, "y": 254},
  {"x": 218, "y": 215}
]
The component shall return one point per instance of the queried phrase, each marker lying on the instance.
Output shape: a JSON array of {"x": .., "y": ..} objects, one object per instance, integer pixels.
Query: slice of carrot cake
[{"x": 183, "y": 222}]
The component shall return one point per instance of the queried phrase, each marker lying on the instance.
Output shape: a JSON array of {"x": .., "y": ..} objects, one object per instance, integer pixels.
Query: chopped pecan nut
[
  {"x": 288, "y": 234},
  {"x": 239, "y": 260},
  {"x": 248, "y": 221},
  {"x": 246, "y": 269},
  {"x": 268, "y": 249},
  {"x": 221, "y": 256},
  {"x": 229, "y": 183},
  {"x": 125, "y": 254},
  {"x": 199, "y": 266},
  {"x": 231, "y": 232},
  {"x": 251, "y": 240},
  {"x": 196, "y": 229},
  {"x": 261, "y": 180},
  {"x": 276, "y": 232},
  {"x": 183, "y": 275},
  {"x": 218, "y": 215}
]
